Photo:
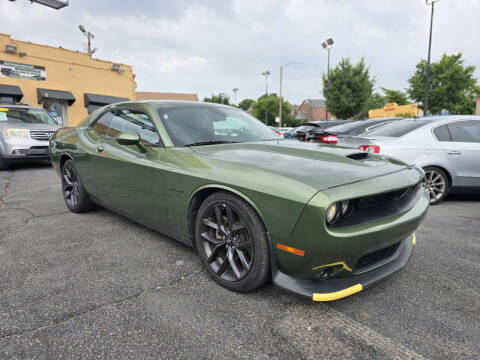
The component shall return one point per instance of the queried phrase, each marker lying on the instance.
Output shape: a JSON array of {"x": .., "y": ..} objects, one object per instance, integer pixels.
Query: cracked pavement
[{"x": 97, "y": 285}]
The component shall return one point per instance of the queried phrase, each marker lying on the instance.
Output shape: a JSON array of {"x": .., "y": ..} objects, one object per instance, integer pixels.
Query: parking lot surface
[{"x": 97, "y": 285}]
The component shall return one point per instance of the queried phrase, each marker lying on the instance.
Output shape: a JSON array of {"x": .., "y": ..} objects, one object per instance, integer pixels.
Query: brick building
[{"x": 311, "y": 110}]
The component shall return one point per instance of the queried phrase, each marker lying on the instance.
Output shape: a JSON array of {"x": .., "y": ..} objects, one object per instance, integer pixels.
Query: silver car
[
  {"x": 24, "y": 134},
  {"x": 446, "y": 147}
]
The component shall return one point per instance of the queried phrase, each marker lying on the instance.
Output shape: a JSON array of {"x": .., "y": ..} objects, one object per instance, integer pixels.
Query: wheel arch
[
  {"x": 201, "y": 193},
  {"x": 63, "y": 159}
]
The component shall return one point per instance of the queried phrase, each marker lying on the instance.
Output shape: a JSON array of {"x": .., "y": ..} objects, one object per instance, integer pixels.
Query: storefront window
[{"x": 57, "y": 109}]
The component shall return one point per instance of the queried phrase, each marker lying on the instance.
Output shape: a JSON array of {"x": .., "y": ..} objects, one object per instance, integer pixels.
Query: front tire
[
  {"x": 74, "y": 193},
  {"x": 232, "y": 242},
  {"x": 437, "y": 183}
]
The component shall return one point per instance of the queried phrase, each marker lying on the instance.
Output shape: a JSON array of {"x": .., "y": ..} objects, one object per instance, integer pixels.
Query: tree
[
  {"x": 272, "y": 103},
  {"x": 376, "y": 101},
  {"x": 349, "y": 90},
  {"x": 452, "y": 85},
  {"x": 219, "y": 99},
  {"x": 395, "y": 96},
  {"x": 245, "y": 104}
]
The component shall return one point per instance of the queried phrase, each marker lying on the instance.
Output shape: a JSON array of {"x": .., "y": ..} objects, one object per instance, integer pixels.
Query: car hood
[
  {"x": 30, "y": 126},
  {"x": 316, "y": 165}
]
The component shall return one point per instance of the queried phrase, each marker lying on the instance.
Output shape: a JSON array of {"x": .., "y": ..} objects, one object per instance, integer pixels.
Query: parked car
[
  {"x": 330, "y": 135},
  {"x": 24, "y": 133},
  {"x": 301, "y": 131},
  {"x": 446, "y": 147},
  {"x": 325, "y": 225},
  {"x": 282, "y": 131}
]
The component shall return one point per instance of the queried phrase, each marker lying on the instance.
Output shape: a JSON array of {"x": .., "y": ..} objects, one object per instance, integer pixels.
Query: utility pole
[
  {"x": 427, "y": 81},
  {"x": 266, "y": 74},
  {"x": 327, "y": 45},
  {"x": 281, "y": 98}
]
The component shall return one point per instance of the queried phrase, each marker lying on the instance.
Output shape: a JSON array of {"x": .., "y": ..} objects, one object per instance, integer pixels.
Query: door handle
[
  {"x": 100, "y": 149},
  {"x": 454, "y": 152}
]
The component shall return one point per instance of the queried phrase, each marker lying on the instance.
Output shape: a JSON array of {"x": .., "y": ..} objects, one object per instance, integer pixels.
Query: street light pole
[
  {"x": 266, "y": 74},
  {"x": 327, "y": 45},
  {"x": 89, "y": 36},
  {"x": 427, "y": 81},
  {"x": 235, "y": 95},
  {"x": 281, "y": 98}
]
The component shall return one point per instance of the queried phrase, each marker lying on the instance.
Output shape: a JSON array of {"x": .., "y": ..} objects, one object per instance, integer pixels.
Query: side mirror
[{"x": 130, "y": 138}]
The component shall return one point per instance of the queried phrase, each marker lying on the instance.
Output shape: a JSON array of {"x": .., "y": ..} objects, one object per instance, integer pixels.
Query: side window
[
  {"x": 133, "y": 121},
  {"x": 465, "y": 131},
  {"x": 441, "y": 133},
  {"x": 101, "y": 124}
]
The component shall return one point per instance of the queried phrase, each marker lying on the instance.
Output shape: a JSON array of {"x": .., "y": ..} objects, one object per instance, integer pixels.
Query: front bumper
[
  {"x": 337, "y": 288},
  {"x": 24, "y": 149}
]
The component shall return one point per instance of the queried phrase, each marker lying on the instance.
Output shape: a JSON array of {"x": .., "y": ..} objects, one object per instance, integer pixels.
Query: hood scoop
[{"x": 360, "y": 156}]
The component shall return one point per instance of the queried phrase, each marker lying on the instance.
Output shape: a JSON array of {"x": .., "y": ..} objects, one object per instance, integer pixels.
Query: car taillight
[
  {"x": 278, "y": 132},
  {"x": 370, "y": 148},
  {"x": 329, "y": 139}
]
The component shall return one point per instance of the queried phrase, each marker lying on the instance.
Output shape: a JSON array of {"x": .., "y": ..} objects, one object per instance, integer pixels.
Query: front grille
[
  {"x": 41, "y": 135},
  {"x": 380, "y": 206},
  {"x": 376, "y": 258},
  {"x": 381, "y": 199}
]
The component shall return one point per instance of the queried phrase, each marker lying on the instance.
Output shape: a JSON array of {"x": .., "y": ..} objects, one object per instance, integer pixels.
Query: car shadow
[
  {"x": 463, "y": 197},
  {"x": 39, "y": 164}
]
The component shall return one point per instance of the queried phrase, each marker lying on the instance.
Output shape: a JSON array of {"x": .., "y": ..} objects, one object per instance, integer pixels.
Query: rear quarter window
[{"x": 441, "y": 133}]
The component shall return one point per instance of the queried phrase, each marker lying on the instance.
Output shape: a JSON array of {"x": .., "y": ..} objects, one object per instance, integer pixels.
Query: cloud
[{"x": 207, "y": 46}]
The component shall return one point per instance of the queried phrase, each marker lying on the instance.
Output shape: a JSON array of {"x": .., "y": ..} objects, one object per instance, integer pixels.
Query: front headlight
[
  {"x": 17, "y": 133},
  {"x": 332, "y": 213}
]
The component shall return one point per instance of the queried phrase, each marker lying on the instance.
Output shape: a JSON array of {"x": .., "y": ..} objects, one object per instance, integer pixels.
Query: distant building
[
  {"x": 149, "y": 95},
  {"x": 68, "y": 84},
  {"x": 392, "y": 109},
  {"x": 311, "y": 110}
]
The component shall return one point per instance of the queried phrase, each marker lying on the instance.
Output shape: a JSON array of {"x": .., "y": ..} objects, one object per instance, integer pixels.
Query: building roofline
[{"x": 63, "y": 49}]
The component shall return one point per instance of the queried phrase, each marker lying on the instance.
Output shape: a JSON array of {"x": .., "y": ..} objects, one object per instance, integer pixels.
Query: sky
[{"x": 213, "y": 46}]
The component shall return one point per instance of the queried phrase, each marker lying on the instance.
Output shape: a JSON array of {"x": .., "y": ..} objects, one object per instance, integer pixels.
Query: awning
[
  {"x": 11, "y": 90},
  {"x": 55, "y": 95},
  {"x": 94, "y": 99}
]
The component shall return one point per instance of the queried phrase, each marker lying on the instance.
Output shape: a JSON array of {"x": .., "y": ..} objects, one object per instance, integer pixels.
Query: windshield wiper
[{"x": 210, "y": 143}]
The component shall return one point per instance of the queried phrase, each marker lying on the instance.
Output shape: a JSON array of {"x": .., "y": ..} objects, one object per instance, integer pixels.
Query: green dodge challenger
[{"x": 321, "y": 222}]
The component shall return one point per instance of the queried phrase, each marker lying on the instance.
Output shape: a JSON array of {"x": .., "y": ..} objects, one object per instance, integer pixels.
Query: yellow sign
[
  {"x": 392, "y": 109},
  {"x": 3, "y": 109}
]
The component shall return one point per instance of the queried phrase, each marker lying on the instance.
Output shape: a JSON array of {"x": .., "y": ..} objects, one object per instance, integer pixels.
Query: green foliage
[
  {"x": 350, "y": 88},
  {"x": 452, "y": 85},
  {"x": 219, "y": 99},
  {"x": 375, "y": 101},
  {"x": 245, "y": 104},
  {"x": 271, "y": 103},
  {"x": 395, "y": 96}
]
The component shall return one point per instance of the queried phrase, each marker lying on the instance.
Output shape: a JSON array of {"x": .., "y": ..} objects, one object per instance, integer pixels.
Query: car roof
[
  {"x": 24, "y": 106},
  {"x": 176, "y": 103}
]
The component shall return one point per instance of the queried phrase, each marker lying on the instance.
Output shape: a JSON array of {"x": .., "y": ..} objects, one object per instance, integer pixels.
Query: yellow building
[
  {"x": 392, "y": 109},
  {"x": 68, "y": 84}
]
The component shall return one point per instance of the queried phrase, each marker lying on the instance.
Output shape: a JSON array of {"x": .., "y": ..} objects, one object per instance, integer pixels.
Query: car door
[
  {"x": 131, "y": 179},
  {"x": 464, "y": 151}
]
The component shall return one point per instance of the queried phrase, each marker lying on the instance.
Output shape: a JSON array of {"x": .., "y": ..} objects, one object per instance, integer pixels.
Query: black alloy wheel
[
  {"x": 436, "y": 183},
  {"x": 232, "y": 242},
  {"x": 75, "y": 196}
]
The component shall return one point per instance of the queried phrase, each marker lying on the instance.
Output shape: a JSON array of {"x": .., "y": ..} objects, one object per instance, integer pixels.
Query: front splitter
[{"x": 333, "y": 289}]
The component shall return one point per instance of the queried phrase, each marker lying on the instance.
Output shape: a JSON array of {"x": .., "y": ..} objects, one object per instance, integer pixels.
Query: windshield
[
  {"x": 201, "y": 125},
  {"x": 397, "y": 128},
  {"x": 25, "y": 115}
]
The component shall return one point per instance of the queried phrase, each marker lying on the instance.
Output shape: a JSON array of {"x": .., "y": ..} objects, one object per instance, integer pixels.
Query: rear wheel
[
  {"x": 74, "y": 193},
  {"x": 437, "y": 183},
  {"x": 232, "y": 242}
]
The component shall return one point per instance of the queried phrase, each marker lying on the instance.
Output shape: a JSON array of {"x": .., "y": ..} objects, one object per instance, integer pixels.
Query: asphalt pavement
[{"x": 97, "y": 285}]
